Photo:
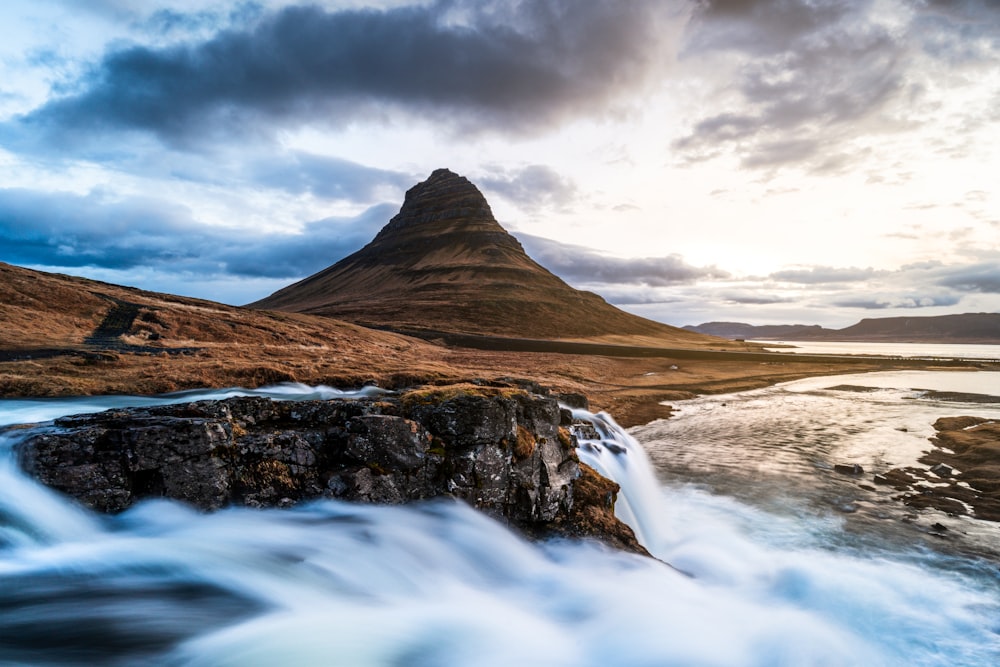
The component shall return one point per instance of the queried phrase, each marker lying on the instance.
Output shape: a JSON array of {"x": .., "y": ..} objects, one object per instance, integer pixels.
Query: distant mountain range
[{"x": 981, "y": 328}]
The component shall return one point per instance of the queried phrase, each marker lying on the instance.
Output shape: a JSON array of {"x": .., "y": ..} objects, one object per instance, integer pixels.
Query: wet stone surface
[{"x": 501, "y": 451}]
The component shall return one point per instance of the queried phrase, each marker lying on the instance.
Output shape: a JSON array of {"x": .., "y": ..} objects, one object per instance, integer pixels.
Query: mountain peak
[
  {"x": 444, "y": 263},
  {"x": 445, "y": 197}
]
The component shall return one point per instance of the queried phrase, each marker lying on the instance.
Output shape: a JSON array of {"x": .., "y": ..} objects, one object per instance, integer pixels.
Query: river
[{"x": 776, "y": 559}]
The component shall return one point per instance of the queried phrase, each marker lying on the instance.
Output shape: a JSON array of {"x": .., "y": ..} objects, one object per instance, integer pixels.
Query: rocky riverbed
[{"x": 962, "y": 473}]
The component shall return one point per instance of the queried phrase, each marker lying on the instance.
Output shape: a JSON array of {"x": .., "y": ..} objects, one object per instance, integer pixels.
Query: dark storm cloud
[
  {"x": 478, "y": 66},
  {"x": 67, "y": 230},
  {"x": 762, "y": 27},
  {"x": 578, "y": 265},
  {"x": 817, "y": 275},
  {"x": 531, "y": 187},
  {"x": 976, "y": 278}
]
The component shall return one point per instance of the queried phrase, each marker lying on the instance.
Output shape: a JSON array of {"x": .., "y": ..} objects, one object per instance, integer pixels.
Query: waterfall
[
  {"x": 434, "y": 584},
  {"x": 615, "y": 454}
]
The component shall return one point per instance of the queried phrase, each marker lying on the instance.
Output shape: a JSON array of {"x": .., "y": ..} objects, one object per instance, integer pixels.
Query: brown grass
[
  {"x": 439, "y": 394},
  {"x": 250, "y": 348},
  {"x": 524, "y": 445}
]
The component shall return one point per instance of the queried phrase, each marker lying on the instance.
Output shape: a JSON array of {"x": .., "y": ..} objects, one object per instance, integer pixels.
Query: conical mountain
[{"x": 444, "y": 263}]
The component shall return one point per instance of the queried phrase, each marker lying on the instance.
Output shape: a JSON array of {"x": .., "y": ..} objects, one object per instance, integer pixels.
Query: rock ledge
[{"x": 506, "y": 451}]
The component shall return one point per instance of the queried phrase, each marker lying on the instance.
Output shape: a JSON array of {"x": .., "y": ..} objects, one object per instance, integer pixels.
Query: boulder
[{"x": 499, "y": 449}]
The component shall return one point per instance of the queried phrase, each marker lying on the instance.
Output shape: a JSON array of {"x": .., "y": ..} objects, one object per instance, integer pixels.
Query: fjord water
[
  {"x": 908, "y": 350},
  {"x": 768, "y": 579}
]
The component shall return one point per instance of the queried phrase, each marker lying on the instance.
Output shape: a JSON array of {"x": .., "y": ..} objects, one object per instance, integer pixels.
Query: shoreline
[{"x": 631, "y": 388}]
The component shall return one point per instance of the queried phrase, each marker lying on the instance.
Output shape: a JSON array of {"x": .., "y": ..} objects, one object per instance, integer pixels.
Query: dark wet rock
[
  {"x": 849, "y": 468},
  {"x": 858, "y": 389},
  {"x": 469, "y": 421},
  {"x": 970, "y": 447},
  {"x": 585, "y": 431},
  {"x": 942, "y": 470},
  {"x": 574, "y": 400},
  {"x": 502, "y": 450},
  {"x": 898, "y": 478},
  {"x": 391, "y": 443},
  {"x": 961, "y": 397},
  {"x": 593, "y": 513}
]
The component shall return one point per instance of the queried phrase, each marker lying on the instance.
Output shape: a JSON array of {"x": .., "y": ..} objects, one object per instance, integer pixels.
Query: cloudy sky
[{"x": 765, "y": 161}]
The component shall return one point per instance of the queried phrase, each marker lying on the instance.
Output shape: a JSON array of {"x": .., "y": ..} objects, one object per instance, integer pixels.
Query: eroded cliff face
[{"x": 506, "y": 451}]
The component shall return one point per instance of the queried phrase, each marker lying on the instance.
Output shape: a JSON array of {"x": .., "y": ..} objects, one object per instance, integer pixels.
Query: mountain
[
  {"x": 444, "y": 263},
  {"x": 981, "y": 328},
  {"x": 965, "y": 328}
]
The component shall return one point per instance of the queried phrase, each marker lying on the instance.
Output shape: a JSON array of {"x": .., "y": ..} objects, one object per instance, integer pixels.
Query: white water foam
[
  {"x": 332, "y": 583},
  {"x": 33, "y": 410}
]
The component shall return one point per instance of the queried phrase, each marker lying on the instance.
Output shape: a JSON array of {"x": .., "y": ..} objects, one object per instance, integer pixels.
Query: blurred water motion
[{"x": 331, "y": 583}]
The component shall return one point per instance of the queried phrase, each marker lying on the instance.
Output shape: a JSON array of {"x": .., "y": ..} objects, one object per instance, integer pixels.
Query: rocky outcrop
[
  {"x": 503, "y": 450},
  {"x": 961, "y": 474}
]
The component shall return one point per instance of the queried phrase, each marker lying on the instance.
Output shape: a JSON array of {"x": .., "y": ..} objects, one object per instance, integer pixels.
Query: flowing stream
[{"x": 765, "y": 574}]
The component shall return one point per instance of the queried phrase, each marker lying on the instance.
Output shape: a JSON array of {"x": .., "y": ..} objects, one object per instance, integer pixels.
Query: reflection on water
[{"x": 926, "y": 350}]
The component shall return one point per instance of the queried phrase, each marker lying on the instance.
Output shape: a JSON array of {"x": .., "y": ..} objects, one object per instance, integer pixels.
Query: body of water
[
  {"x": 761, "y": 570},
  {"x": 909, "y": 350}
]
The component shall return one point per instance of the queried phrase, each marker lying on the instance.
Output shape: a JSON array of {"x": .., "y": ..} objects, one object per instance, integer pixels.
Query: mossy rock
[{"x": 435, "y": 395}]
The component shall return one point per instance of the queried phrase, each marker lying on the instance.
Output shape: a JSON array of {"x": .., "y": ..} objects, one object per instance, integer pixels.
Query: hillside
[
  {"x": 971, "y": 328},
  {"x": 965, "y": 328},
  {"x": 64, "y": 336},
  {"x": 444, "y": 263},
  {"x": 67, "y": 335}
]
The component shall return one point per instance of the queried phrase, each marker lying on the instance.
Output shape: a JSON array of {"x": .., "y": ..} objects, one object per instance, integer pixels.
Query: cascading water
[
  {"x": 616, "y": 455},
  {"x": 330, "y": 583}
]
